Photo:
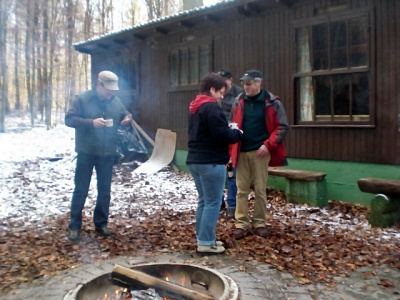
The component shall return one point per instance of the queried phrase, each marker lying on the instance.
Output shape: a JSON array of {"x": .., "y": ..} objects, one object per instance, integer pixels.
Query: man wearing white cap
[{"x": 95, "y": 115}]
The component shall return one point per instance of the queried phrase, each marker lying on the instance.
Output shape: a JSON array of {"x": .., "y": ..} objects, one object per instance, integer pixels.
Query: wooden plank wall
[
  {"x": 374, "y": 145},
  {"x": 266, "y": 41}
]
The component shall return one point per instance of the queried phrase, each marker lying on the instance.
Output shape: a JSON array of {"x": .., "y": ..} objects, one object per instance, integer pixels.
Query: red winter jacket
[{"x": 276, "y": 124}]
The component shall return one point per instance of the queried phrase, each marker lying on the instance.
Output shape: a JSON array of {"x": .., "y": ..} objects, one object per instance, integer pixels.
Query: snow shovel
[{"x": 163, "y": 151}]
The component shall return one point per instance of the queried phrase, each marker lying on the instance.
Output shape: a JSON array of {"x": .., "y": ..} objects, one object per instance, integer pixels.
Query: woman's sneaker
[{"x": 209, "y": 250}]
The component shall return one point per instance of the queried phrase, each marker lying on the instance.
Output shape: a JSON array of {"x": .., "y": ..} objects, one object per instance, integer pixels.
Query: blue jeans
[
  {"x": 209, "y": 180},
  {"x": 232, "y": 190},
  {"x": 83, "y": 174}
]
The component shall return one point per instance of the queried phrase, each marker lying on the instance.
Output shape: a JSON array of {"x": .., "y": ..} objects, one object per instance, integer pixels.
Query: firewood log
[{"x": 128, "y": 277}]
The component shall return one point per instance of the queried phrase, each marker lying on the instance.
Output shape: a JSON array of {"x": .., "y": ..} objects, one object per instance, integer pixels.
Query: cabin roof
[{"x": 185, "y": 19}]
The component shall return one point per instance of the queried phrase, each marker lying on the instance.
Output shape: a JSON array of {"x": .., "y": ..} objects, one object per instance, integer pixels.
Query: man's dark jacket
[
  {"x": 86, "y": 107},
  {"x": 228, "y": 100}
]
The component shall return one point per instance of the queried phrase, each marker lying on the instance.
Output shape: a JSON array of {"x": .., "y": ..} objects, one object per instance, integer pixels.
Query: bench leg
[
  {"x": 306, "y": 192},
  {"x": 385, "y": 211}
]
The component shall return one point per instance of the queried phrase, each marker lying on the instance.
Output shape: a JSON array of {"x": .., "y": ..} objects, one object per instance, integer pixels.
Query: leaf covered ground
[{"x": 155, "y": 214}]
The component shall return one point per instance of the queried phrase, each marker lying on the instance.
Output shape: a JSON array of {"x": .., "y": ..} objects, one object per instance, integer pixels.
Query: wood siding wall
[{"x": 265, "y": 41}]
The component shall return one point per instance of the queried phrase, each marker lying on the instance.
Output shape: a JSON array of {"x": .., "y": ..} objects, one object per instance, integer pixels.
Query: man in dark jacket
[
  {"x": 232, "y": 91},
  {"x": 95, "y": 115},
  {"x": 263, "y": 120}
]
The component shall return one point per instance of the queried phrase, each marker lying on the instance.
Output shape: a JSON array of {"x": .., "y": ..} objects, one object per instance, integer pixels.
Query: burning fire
[
  {"x": 182, "y": 279},
  {"x": 120, "y": 294},
  {"x": 182, "y": 282}
]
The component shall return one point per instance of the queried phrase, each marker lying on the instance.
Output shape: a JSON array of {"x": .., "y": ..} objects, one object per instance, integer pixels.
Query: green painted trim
[
  {"x": 180, "y": 160},
  {"x": 341, "y": 176}
]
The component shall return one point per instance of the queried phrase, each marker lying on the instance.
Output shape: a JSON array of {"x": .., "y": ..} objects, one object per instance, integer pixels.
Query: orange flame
[{"x": 183, "y": 279}]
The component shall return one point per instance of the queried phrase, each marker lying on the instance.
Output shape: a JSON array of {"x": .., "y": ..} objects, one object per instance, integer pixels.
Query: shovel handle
[{"x": 136, "y": 125}]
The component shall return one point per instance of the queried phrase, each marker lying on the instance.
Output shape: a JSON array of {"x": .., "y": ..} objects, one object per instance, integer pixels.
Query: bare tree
[
  {"x": 105, "y": 19},
  {"x": 44, "y": 80},
  {"x": 50, "y": 68},
  {"x": 70, "y": 7},
  {"x": 28, "y": 47},
  {"x": 156, "y": 8},
  {"x": 87, "y": 31},
  {"x": 5, "y": 6},
  {"x": 16, "y": 59},
  {"x": 190, "y": 4},
  {"x": 50, "y": 12}
]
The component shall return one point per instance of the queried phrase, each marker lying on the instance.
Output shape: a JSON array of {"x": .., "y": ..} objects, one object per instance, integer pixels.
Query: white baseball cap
[{"x": 109, "y": 80}]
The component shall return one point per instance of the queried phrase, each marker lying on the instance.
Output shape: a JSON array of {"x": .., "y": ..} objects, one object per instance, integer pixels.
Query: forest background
[{"x": 40, "y": 70}]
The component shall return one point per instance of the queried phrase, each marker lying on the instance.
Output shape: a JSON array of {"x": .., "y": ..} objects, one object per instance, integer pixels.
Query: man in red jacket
[{"x": 263, "y": 120}]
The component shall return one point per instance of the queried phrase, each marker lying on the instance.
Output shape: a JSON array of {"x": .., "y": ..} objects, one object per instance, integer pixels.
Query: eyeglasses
[{"x": 249, "y": 83}]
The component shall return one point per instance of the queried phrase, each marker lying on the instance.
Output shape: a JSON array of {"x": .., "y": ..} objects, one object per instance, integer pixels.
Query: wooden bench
[
  {"x": 385, "y": 206},
  {"x": 303, "y": 186}
]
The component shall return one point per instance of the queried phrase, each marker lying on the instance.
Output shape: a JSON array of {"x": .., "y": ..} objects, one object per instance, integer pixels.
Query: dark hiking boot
[
  {"x": 73, "y": 235},
  {"x": 262, "y": 231},
  {"x": 231, "y": 213},
  {"x": 104, "y": 231},
  {"x": 239, "y": 233}
]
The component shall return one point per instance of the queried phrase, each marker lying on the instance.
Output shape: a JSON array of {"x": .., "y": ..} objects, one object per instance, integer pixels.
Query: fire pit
[{"x": 168, "y": 280}]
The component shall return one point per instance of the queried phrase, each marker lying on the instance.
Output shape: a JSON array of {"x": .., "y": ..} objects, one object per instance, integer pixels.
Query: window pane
[
  {"x": 338, "y": 45},
  {"x": 360, "y": 94},
  {"x": 305, "y": 89},
  {"x": 173, "y": 68},
  {"x": 183, "y": 67},
  {"x": 193, "y": 66},
  {"x": 332, "y": 77},
  {"x": 204, "y": 64},
  {"x": 359, "y": 42},
  {"x": 303, "y": 49},
  {"x": 341, "y": 97},
  {"x": 320, "y": 47},
  {"x": 133, "y": 74},
  {"x": 322, "y": 95}
]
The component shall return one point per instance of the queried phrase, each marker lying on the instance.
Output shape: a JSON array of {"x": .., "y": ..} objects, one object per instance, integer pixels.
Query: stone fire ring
[{"x": 227, "y": 288}]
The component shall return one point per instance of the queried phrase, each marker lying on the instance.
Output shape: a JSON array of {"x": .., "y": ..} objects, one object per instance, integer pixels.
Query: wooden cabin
[{"x": 334, "y": 63}]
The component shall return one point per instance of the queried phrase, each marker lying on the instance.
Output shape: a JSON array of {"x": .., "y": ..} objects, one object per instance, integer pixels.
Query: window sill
[
  {"x": 367, "y": 126},
  {"x": 183, "y": 88}
]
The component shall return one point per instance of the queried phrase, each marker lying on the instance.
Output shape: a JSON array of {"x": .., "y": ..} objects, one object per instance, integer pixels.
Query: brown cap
[{"x": 109, "y": 80}]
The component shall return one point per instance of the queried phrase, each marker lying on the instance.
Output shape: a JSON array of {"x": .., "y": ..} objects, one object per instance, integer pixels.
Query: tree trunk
[
  {"x": 28, "y": 54},
  {"x": 190, "y": 4},
  {"x": 46, "y": 79},
  {"x": 4, "y": 11},
  {"x": 87, "y": 32},
  {"x": 52, "y": 55},
  {"x": 31, "y": 68},
  {"x": 16, "y": 59},
  {"x": 70, "y": 6}
]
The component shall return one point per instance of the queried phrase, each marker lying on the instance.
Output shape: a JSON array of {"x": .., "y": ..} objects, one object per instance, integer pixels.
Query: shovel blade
[{"x": 163, "y": 152}]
